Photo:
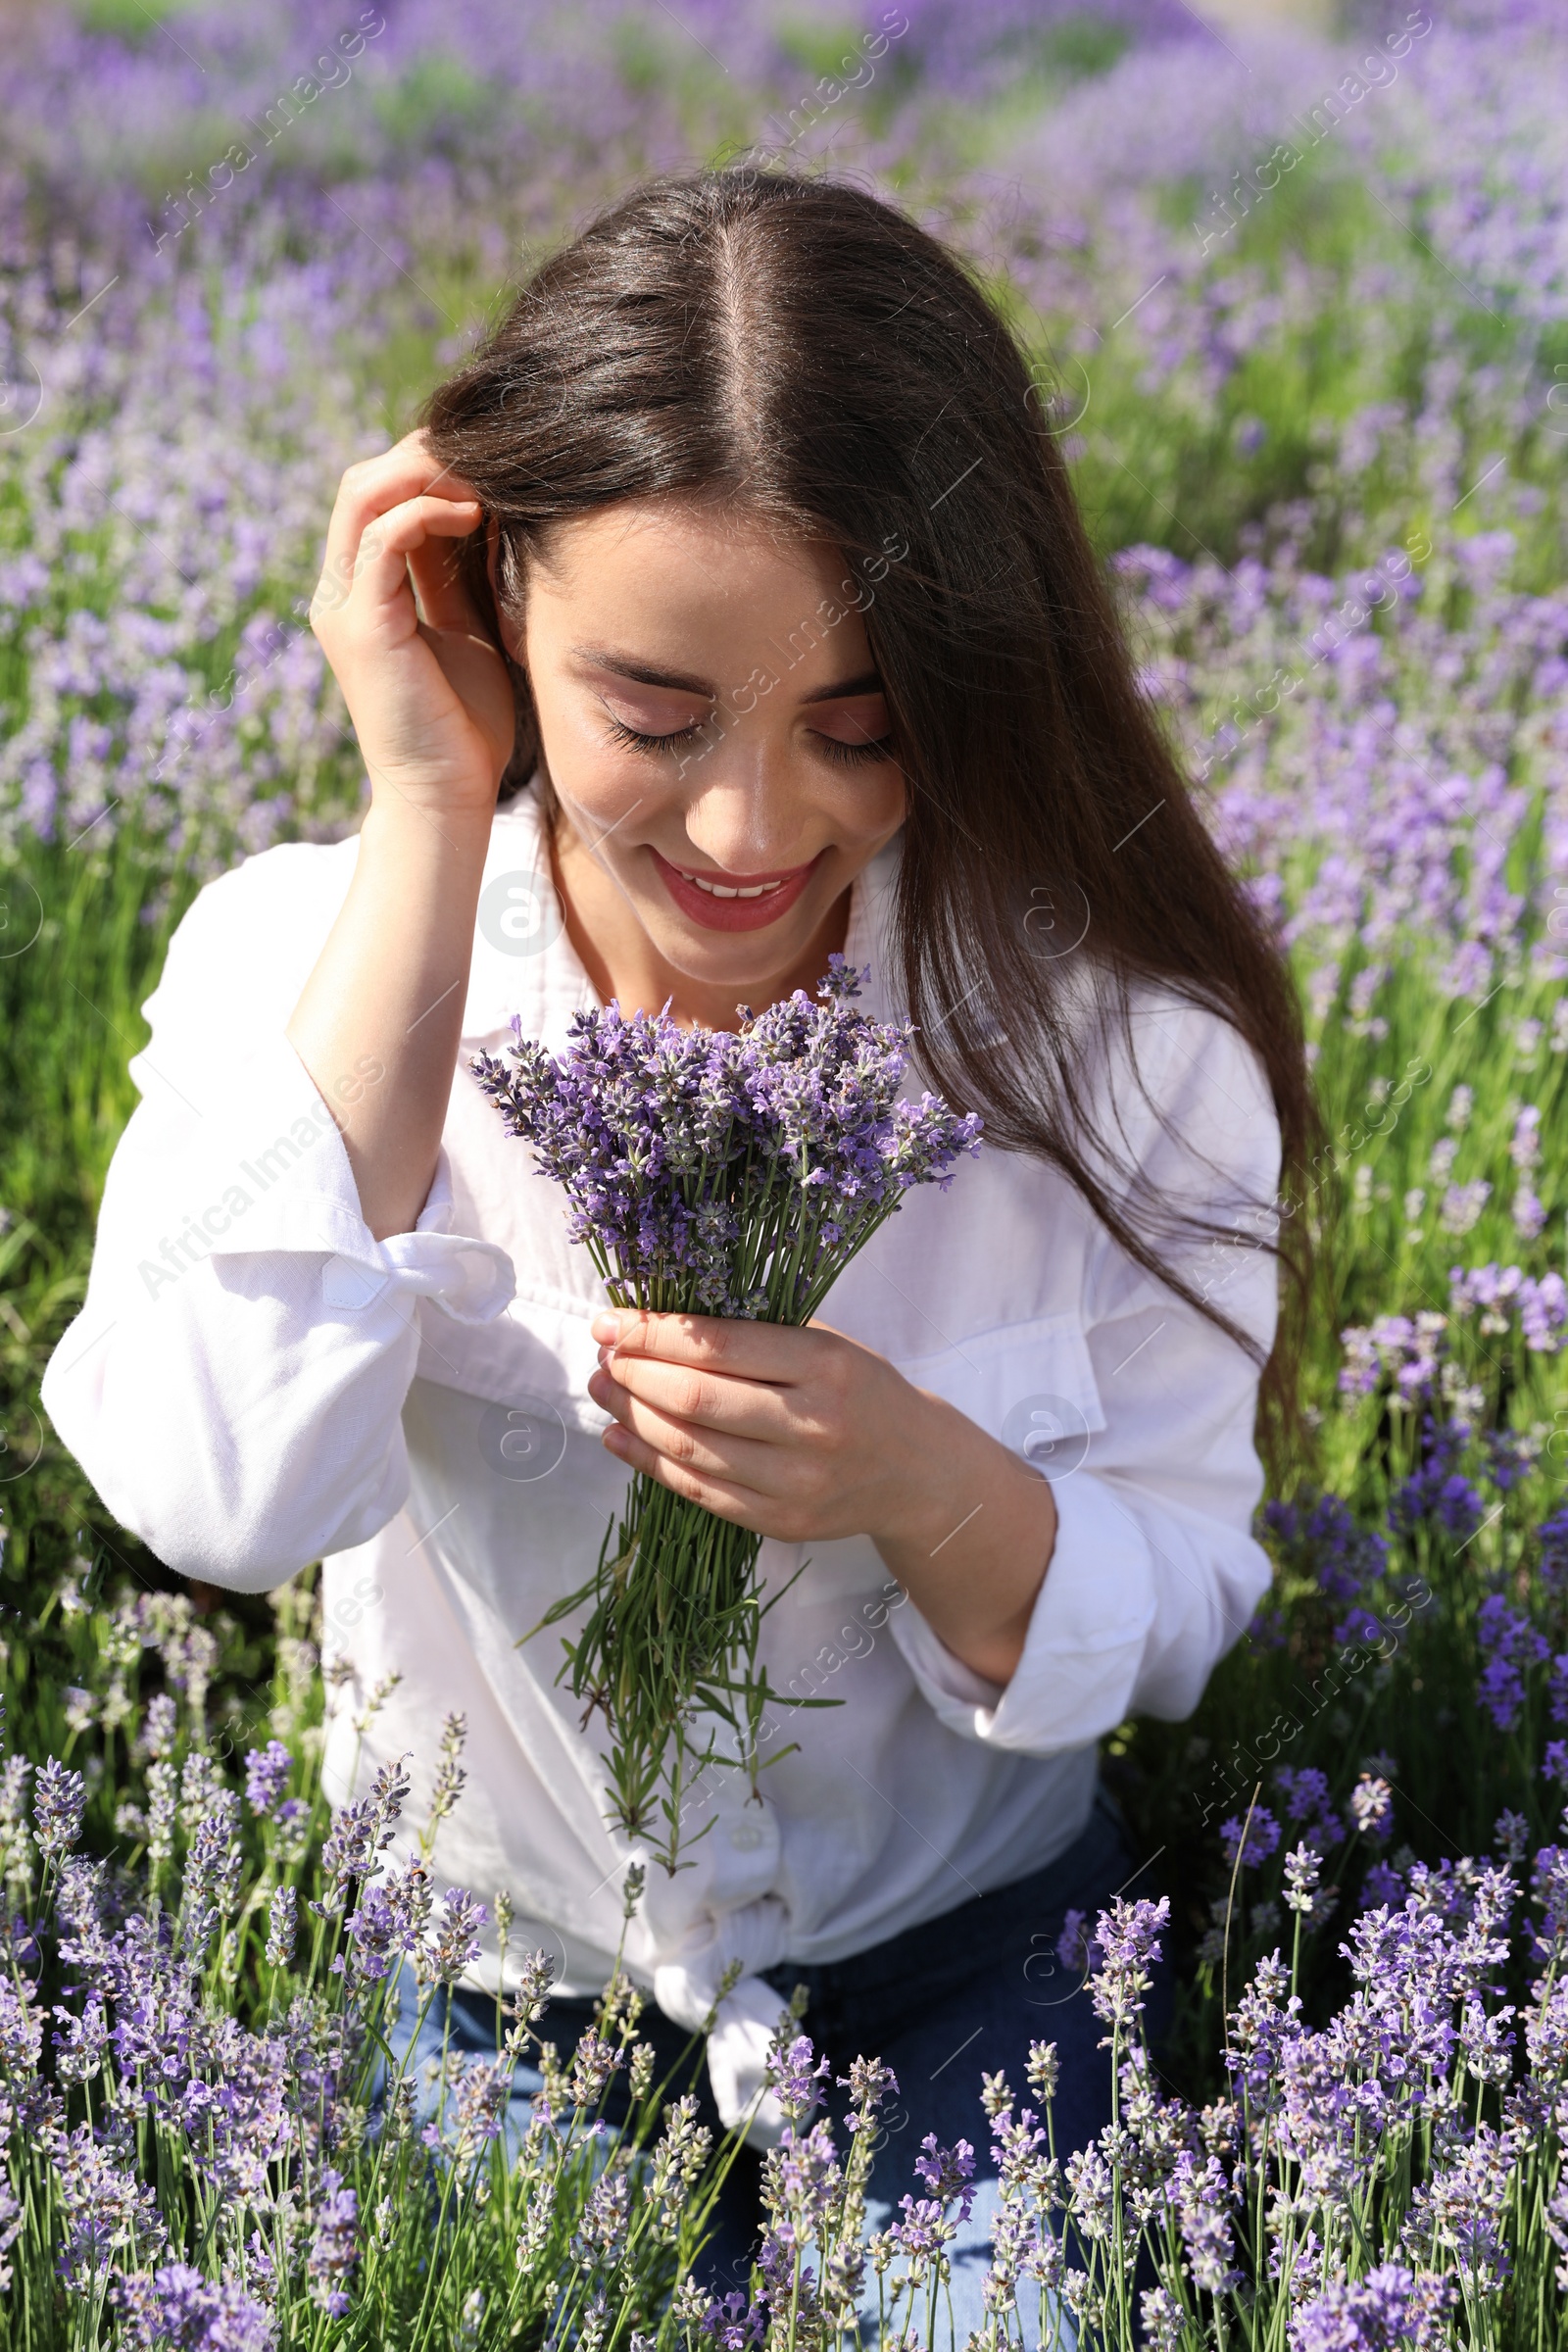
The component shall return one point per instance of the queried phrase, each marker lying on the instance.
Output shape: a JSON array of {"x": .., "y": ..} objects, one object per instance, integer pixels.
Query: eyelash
[{"x": 846, "y": 754}]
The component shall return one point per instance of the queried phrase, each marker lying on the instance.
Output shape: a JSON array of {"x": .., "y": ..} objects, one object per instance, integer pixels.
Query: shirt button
[{"x": 746, "y": 1835}]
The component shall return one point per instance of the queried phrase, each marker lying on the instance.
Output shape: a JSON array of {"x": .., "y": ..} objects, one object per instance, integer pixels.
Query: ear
[{"x": 510, "y": 633}]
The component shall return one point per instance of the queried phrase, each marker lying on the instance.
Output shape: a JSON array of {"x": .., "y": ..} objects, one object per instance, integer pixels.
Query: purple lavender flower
[
  {"x": 59, "y": 1800},
  {"x": 236, "y": 2105},
  {"x": 1552, "y": 1538},
  {"x": 1261, "y": 1835},
  {"x": 1203, "y": 2207},
  {"x": 1075, "y": 1946},
  {"x": 594, "y": 2062},
  {"x": 922, "y": 2234},
  {"x": 106, "y": 2210},
  {"x": 1304, "y": 1793},
  {"x": 1382, "y": 2312},
  {"x": 792, "y": 2075},
  {"x": 1320, "y": 1536},
  {"x": 1409, "y": 1348},
  {"x": 11, "y": 2220},
  {"x": 282, "y": 1922},
  {"x": 266, "y": 1774},
  {"x": 1548, "y": 1883},
  {"x": 1381, "y": 1885},
  {"x": 695, "y": 1162},
  {"x": 1510, "y": 1457},
  {"x": 334, "y": 2245},
  {"x": 1435, "y": 1495},
  {"x": 1463, "y": 2209},
  {"x": 390, "y": 1920},
  {"x": 361, "y": 1834},
  {"x": 20, "y": 2033},
  {"x": 1510, "y": 1645},
  {"x": 1164, "y": 2321},
  {"x": 948, "y": 2172},
  {"x": 160, "y": 1726},
  {"x": 456, "y": 1946},
  {"x": 1128, "y": 1937},
  {"x": 733, "y": 2324},
  {"x": 176, "y": 2307},
  {"x": 868, "y": 2083},
  {"x": 212, "y": 1868},
  {"x": 801, "y": 2177},
  {"x": 1265, "y": 2018},
  {"x": 79, "y": 2047},
  {"x": 479, "y": 2107},
  {"x": 1372, "y": 1806}
]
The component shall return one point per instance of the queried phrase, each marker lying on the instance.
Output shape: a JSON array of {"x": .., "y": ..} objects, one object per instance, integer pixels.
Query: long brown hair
[{"x": 795, "y": 345}]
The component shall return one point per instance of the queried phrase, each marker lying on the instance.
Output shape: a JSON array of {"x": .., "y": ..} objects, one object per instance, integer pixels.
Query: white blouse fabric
[{"x": 254, "y": 1383}]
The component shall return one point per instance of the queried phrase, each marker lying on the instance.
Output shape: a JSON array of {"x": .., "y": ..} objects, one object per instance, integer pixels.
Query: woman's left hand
[
  {"x": 806, "y": 1436},
  {"x": 800, "y": 1433}
]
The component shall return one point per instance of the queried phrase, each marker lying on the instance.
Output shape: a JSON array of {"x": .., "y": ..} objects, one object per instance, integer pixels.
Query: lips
[{"x": 722, "y": 901}]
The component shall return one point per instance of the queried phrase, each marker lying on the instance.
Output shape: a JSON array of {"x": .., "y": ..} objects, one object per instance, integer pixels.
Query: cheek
[
  {"x": 588, "y": 774},
  {"x": 867, "y": 802}
]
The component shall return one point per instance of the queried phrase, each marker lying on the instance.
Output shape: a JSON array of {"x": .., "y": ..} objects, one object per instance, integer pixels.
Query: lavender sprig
[{"x": 718, "y": 1173}]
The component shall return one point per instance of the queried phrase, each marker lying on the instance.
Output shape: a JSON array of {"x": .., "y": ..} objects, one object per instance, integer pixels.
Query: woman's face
[{"x": 716, "y": 737}]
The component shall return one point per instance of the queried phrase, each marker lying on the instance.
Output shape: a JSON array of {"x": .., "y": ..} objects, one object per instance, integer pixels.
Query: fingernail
[{"x": 604, "y": 1328}]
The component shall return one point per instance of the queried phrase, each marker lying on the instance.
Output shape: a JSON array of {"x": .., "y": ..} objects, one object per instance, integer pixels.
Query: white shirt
[{"x": 255, "y": 1382}]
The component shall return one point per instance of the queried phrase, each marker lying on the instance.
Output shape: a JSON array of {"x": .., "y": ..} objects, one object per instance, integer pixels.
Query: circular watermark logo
[
  {"x": 520, "y": 915},
  {"x": 524, "y": 1441},
  {"x": 1055, "y": 920},
  {"x": 1049, "y": 1431},
  {"x": 1061, "y": 401},
  {"x": 1053, "y": 1978},
  {"x": 20, "y": 399},
  {"x": 20, "y": 1442},
  {"x": 20, "y": 916}
]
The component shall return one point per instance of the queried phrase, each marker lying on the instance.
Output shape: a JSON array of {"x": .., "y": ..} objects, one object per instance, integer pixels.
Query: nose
[{"x": 746, "y": 819}]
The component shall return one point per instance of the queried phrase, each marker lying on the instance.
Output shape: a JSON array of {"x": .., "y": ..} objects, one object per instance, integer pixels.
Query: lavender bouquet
[{"x": 716, "y": 1173}]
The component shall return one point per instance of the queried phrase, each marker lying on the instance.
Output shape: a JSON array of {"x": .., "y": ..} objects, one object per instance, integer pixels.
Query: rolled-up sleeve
[
  {"x": 235, "y": 1383},
  {"x": 1155, "y": 1572}
]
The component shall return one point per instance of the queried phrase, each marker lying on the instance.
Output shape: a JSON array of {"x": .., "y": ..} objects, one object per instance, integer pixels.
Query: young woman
[{"x": 732, "y": 609}]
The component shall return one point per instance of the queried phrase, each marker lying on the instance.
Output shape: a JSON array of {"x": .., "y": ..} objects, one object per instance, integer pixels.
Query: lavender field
[{"x": 1299, "y": 313}]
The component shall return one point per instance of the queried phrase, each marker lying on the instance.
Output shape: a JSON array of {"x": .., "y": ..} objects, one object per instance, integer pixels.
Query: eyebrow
[{"x": 678, "y": 681}]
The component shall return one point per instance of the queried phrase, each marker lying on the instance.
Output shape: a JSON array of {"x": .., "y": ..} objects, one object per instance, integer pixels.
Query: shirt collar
[{"x": 524, "y": 963}]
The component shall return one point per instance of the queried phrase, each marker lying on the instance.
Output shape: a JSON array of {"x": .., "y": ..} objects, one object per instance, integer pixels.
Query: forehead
[{"x": 681, "y": 547}]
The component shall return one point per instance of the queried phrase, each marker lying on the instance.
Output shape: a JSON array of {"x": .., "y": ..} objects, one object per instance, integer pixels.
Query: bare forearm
[
  {"x": 977, "y": 1543},
  {"x": 388, "y": 990}
]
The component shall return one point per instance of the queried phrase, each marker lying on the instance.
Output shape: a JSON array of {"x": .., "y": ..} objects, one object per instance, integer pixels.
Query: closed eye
[
  {"x": 831, "y": 746},
  {"x": 854, "y": 754},
  {"x": 632, "y": 740}
]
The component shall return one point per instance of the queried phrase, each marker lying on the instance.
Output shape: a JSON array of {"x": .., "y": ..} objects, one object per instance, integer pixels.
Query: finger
[
  {"x": 382, "y": 568},
  {"x": 374, "y": 486},
  {"x": 776, "y": 1351},
  {"x": 436, "y": 571},
  {"x": 722, "y": 1497},
  {"x": 710, "y": 1400},
  {"x": 713, "y": 1453}
]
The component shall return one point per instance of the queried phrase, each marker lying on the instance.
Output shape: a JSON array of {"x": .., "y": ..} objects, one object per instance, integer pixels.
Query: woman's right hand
[
  {"x": 429, "y": 692},
  {"x": 379, "y": 1021}
]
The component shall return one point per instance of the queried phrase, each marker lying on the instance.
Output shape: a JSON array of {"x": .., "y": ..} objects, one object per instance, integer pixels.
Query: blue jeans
[{"x": 961, "y": 1995}]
